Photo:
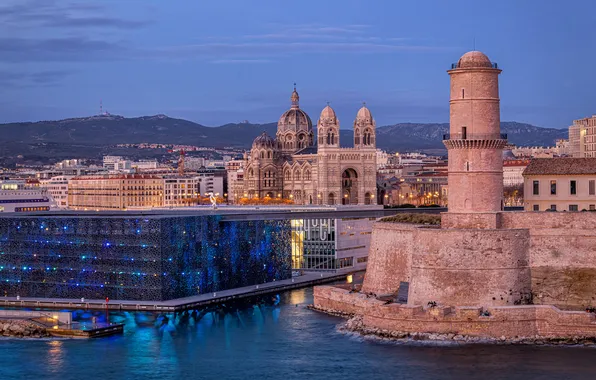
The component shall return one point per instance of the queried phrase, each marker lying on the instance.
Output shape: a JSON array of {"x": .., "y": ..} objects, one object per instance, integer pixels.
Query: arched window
[
  {"x": 297, "y": 175},
  {"x": 357, "y": 137},
  {"x": 288, "y": 176},
  {"x": 268, "y": 154},
  {"x": 333, "y": 138},
  {"x": 307, "y": 175},
  {"x": 328, "y": 138},
  {"x": 262, "y": 154}
]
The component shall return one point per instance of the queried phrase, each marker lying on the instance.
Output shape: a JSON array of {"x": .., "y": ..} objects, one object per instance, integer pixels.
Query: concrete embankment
[{"x": 19, "y": 328}]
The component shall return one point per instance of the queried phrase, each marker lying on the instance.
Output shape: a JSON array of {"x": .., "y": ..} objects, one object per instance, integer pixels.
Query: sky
[{"x": 217, "y": 62}]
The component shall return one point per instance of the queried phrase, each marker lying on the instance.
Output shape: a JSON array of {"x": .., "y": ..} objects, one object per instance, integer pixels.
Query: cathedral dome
[
  {"x": 474, "y": 59},
  {"x": 328, "y": 113},
  {"x": 294, "y": 119},
  {"x": 364, "y": 114},
  {"x": 264, "y": 141}
]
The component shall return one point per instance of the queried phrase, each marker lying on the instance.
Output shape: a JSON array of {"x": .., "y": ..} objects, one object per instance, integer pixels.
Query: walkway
[{"x": 178, "y": 304}]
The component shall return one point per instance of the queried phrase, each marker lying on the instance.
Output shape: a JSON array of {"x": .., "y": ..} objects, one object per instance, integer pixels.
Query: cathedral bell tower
[
  {"x": 364, "y": 129},
  {"x": 475, "y": 143},
  {"x": 328, "y": 129}
]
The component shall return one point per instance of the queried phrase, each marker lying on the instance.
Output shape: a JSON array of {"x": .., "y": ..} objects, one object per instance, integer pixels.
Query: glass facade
[
  {"x": 139, "y": 258},
  {"x": 313, "y": 244}
]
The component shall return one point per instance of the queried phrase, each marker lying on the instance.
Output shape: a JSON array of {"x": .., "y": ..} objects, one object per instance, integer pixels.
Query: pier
[{"x": 180, "y": 304}]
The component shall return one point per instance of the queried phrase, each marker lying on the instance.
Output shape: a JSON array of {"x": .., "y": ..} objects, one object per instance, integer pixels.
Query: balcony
[
  {"x": 475, "y": 136},
  {"x": 493, "y": 65}
]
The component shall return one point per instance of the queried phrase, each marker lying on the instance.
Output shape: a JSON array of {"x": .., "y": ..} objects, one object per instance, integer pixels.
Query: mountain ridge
[{"x": 105, "y": 130}]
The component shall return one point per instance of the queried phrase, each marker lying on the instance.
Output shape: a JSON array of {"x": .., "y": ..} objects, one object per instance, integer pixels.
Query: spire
[{"x": 295, "y": 98}]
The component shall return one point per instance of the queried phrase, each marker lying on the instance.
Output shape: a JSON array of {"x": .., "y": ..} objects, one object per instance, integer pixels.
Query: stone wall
[
  {"x": 389, "y": 258},
  {"x": 478, "y": 220},
  {"x": 544, "y": 258},
  {"x": 470, "y": 267},
  {"x": 501, "y": 321},
  {"x": 562, "y": 255}
]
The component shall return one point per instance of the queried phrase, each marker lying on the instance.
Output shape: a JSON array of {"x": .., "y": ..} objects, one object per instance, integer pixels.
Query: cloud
[
  {"x": 241, "y": 61},
  {"x": 55, "y": 14},
  {"x": 16, "y": 79},
  {"x": 57, "y": 49},
  {"x": 285, "y": 40}
]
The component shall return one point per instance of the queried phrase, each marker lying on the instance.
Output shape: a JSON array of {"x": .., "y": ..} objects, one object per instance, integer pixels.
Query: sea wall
[
  {"x": 21, "y": 329},
  {"x": 509, "y": 322}
]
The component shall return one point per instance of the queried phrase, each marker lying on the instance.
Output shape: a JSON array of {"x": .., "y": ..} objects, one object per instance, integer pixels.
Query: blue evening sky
[{"x": 219, "y": 61}]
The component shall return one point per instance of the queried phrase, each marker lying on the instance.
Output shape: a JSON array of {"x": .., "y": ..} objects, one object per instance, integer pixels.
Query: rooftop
[{"x": 561, "y": 166}]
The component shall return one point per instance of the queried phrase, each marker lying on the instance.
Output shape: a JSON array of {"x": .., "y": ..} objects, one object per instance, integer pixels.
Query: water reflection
[
  {"x": 270, "y": 341},
  {"x": 55, "y": 355}
]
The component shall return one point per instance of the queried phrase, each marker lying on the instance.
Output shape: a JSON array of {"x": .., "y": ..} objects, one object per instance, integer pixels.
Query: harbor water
[{"x": 278, "y": 340}]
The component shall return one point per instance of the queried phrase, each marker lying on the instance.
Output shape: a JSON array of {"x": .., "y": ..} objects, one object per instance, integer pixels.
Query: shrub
[{"x": 432, "y": 219}]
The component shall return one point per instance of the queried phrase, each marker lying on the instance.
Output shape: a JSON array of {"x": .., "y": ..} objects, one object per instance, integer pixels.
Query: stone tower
[
  {"x": 475, "y": 143},
  {"x": 364, "y": 129},
  {"x": 328, "y": 129}
]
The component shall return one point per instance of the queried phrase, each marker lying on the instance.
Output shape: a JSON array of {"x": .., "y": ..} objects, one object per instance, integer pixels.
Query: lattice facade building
[{"x": 313, "y": 169}]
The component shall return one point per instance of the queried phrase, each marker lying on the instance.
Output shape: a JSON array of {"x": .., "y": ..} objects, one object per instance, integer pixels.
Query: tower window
[
  {"x": 464, "y": 133},
  {"x": 463, "y": 93}
]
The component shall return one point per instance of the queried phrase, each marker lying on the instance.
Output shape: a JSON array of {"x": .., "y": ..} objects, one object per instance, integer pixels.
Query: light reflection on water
[{"x": 273, "y": 342}]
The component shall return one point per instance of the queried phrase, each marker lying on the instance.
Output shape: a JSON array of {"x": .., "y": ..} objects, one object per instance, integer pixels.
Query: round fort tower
[{"x": 475, "y": 143}]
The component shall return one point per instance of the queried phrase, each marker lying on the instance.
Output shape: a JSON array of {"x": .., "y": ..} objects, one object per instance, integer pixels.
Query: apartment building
[{"x": 560, "y": 184}]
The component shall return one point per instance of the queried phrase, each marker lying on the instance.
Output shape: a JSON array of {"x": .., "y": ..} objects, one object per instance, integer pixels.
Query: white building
[
  {"x": 210, "y": 183},
  {"x": 328, "y": 244},
  {"x": 512, "y": 172},
  {"x": 180, "y": 191},
  {"x": 194, "y": 163},
  {"x": 145, "y": 164},
  {"x": 382, "y": 158},
  {"x": 235, "y": 175},
  {"x": 57, "y": 187},
  {"x": 110, "y": 162}
]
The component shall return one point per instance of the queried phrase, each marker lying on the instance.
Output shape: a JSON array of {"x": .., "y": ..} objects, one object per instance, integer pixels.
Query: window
[
  {"x": 572, "y": 207},
  {"x": 592, "y": 207},
  {"x": 553, "y": 207},
  {"x": 536, "y": 188},
  {"x": 553, "y": 187},
  {"x": 536, "y": 208},
  {"x": 592, "y": 187},
  {"x": 573, "y": 187},
  {"x": 464, "y": 133}
]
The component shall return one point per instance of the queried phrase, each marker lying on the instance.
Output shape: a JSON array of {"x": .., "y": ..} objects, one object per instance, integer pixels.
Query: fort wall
[{"x": 500, "y": 321}]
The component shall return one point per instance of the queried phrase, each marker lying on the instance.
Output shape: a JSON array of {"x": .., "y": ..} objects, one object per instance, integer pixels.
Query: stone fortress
[
  {"x": 483, "y": 272},
  {"x": 296, "y": 166}
]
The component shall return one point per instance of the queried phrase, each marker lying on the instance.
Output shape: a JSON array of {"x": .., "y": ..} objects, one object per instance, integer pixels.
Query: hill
[{"x": 91, "y": 137}]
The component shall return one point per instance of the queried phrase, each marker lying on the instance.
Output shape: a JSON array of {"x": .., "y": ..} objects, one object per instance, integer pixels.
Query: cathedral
[{"x": 310, "y": 168}]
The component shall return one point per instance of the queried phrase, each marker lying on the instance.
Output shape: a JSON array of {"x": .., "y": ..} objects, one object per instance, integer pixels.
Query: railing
[
  {"x": 493, "y": 65},
  {"x": 475, "y": 136}
]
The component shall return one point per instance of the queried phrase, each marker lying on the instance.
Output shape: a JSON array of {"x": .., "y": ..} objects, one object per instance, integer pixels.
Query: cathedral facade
[{"x": 311, "y": 168}]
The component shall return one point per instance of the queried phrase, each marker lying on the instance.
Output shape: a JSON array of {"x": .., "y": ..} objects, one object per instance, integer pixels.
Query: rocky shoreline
[
  {"x": 354, "y": 324},
  {"x": 19, "y": 328}
]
